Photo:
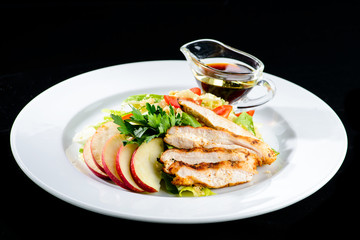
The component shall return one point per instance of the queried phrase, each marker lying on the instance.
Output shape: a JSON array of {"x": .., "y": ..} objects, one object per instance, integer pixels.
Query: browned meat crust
[
  {"x": 211, "y": 119},
  {"x": 207, "y": 155},
  {"x": 189, "y": 137},
  {"x": 220, "y": 155},
  {"x": 212, "y": 175}
]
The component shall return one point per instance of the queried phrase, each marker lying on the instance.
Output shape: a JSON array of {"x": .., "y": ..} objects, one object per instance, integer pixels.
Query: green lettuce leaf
[
  {"x": 184, "y": 191},
  {"x": 115, "y": 112},
  {"x": 108, "y": 117},
  {"x": 195, "y": 191},
  {"x": 245, "y": 121},
  {"x": 171, "y": 188},
  {"x": 141, "y": 97},
  {"x": 190, "y": 120}
]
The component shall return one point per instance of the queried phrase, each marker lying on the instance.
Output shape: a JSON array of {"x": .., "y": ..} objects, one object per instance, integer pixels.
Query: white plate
[{"x": 308, "y": 134}]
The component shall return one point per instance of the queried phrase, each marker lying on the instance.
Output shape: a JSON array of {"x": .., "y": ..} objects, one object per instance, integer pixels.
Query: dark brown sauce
[
  {"x": 229, "y": 67},
  {"x": 228, "y": 91}
]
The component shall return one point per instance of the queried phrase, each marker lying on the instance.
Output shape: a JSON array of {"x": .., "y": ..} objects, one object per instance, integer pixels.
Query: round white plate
[{"x": 308, "y": 134}]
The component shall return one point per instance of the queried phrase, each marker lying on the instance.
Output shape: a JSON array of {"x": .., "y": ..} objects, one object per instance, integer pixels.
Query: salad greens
[
  {"x": 196, "y": 191},
  {"x": 245, "y": 121},
  {"x": 189, "y": 120},
  {"x": 141, "y": 97},
  {"x": 185, "y": 191},
  {"x": 108, "y": 117},
  {"x": 170, "y": 188},
  {"x": 138, "y": 101},
  {"x": 144, "y": 127},
  {"x": 145, "y": 121}
]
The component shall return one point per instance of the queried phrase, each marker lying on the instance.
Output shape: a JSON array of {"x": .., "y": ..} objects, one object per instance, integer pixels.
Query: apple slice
[
  {"x": 144, "y": 167},
  {"x": 89, "y": 161},
  {"x": 123, "y": 160},
  {"x": 108, "y": 157},
  {"x": 99, "y": 139}
]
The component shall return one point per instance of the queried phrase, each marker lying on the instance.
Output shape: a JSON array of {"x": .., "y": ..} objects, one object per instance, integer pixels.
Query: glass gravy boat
[{"x": 228, "y": 73}]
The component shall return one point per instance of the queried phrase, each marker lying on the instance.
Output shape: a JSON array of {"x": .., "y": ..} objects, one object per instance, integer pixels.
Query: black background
[{"x": 313, "y": 45}]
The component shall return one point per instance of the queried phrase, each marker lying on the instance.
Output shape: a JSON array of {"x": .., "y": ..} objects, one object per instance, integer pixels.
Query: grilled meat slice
[
  {"x": 207, "y": 155},
  {"x": 214, "y": 168},
  {"x": 212, "y": 175},
  {"x": 211, "y": 119},
  {"x": 188, "y": 137}
]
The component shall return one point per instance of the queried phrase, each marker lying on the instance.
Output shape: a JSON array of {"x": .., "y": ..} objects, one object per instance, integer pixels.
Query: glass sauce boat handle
[{"x": 252, "y": 98}]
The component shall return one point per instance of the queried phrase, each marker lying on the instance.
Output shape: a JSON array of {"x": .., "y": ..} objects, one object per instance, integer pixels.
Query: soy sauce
[
  {"x": 230, "y": 91},
  {"x": 230, "y": 67}
]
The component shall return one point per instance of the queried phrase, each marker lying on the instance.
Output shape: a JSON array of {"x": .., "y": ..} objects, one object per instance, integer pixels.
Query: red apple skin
[
  {"x": 89, "y": 161},
  {"x": 122, "y": 176},
  {"x": 116, "y": 179},
  {"x": 138, "y": 181},
  {"x": 98, "y": 174}
]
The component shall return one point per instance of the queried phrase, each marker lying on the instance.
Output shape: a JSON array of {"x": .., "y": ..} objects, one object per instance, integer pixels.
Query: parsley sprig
[{"x": 142, "y": 128}]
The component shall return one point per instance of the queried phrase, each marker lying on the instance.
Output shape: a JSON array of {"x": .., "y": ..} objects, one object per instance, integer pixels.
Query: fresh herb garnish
[{"x": 142, "y": 128}]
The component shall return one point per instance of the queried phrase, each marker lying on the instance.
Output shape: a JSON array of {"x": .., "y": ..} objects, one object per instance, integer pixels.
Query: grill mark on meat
[
  {"x": 188, "y": 137},
  {"x": 211, "y": 155},
  {"x": 223, "y": 155},
  {"x": 216, "y": 165},
  {"x": 212, "y": 175},
  {"x": 213, "y": 120}
]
